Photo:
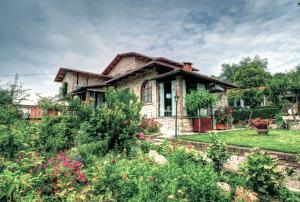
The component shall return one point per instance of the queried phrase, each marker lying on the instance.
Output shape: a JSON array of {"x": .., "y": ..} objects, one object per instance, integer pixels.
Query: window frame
[{"x": 146, "y": 88}]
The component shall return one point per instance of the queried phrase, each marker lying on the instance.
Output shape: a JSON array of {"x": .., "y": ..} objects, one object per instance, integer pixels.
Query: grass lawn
[{"x": 277, "y": 140}]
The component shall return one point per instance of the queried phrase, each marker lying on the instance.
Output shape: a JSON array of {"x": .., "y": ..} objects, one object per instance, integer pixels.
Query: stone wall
[
  {"x": 71, "y": 79},
  {"x": 149, "y": 110},
  {"x": 223, "y": 99},
  {"x": 126, "y": 64},
  {"x": 168, "y": 125}
]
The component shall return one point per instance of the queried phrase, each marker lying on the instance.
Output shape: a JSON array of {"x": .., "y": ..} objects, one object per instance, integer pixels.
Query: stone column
[{"x": 180, "y": 99}]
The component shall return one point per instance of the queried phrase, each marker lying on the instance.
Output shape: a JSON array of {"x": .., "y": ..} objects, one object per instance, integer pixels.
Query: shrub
[
  {"x": 260, "y": 170},
  {"x": 32, "y": 178},
  {"x": 56, "y": 133},
  {"x": 113, "y": 126},
  {"x": 150, "y": 125},
  {"x": 223, "y": 114},
  {"x": 20, "y": 179},
  {"x": 17, "y": 137},
  {"x": 139, "y": 179},
  {"x": 265, "y": 113},
  {"x": 218, "y": 153}
]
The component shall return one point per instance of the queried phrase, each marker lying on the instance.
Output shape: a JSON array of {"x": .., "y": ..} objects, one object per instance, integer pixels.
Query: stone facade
[
  {"x": 71, "y": 79},
  {"x": 126, "y": 64},
  {"x": 135, "y": 83}
]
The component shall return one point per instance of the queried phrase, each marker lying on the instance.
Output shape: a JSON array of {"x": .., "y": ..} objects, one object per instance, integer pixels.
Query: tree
[
  {"x": 252, "y": 72},
  {"x": 228, "y": 72},
  {"x": 200, "y": 99},
  {"x": 254, "y": 98},
  {"x": 249, "y": 72}
]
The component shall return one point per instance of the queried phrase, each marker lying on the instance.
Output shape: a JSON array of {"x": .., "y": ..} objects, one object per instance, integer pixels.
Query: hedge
[{"x": 267, "y": 112}]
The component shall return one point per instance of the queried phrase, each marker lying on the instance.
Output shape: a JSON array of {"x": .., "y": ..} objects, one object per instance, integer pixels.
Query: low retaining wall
[{"x": 236, "y": 149}]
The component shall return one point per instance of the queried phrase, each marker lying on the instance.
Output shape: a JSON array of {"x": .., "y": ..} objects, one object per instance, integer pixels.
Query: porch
[{"x": 172, "y": 89}]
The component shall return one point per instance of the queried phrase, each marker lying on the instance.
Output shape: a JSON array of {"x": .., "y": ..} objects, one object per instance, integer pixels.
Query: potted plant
[
  {"x": 197, "y": 100},
  {"x": 261, "y": 125},
  {"x": 222, "y": 116}
]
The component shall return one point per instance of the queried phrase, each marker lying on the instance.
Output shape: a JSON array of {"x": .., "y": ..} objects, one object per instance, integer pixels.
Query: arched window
[{"x": 147, "y": 92}]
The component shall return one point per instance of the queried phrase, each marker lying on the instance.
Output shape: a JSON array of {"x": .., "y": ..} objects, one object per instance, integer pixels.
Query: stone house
[{"x": 155, "y": 80}]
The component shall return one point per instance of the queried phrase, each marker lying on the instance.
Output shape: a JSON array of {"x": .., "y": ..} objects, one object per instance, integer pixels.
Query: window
[{"x": 147, "y": 92}]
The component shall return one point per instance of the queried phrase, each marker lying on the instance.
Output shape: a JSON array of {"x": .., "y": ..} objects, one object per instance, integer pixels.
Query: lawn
[{"x": 277, "y": 140}]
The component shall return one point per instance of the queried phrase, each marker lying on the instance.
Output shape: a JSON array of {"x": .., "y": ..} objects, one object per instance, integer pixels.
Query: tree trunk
[
  {"x": 250, "y": 116},
  {"x": 199, "y": 121}
]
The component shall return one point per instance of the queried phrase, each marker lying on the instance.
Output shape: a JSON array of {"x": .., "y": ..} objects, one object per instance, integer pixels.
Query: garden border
[{"x": 291, "y": 158}]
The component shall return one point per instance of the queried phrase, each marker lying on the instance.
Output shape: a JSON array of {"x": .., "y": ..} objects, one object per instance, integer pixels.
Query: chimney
[{"x": 187, "y": 66}]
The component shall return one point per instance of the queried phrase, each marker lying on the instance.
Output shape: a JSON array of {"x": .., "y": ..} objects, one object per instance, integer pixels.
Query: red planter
[
  {"x": 205, "y": 124},
  {"x": 221, "y": 126}
]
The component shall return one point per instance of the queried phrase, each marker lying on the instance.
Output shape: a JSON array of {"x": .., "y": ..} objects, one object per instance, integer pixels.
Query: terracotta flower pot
[
  {"x": 221, "y": 126},
  {"x": 262, "y": 131}
]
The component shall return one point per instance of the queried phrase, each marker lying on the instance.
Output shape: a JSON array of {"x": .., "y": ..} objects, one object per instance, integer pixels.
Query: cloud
[{"x": 39, "y": 36}]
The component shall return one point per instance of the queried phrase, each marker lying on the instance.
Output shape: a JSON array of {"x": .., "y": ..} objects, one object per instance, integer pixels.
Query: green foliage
[
  {"x": 252, "y": 72},
  {"x": 57, "y": 133},
  {"x": 253, "y": 97},
  {"x": 200, "y": 99},
  {"x": 20, "y": 136},
  {"x": 218, "y": 153},
  {"x": 139, "y": 179},
  {"x": 17, "y": 182},
  {"x": 262, "y": 112},
  {"x": 260, "y": 170},
  {"x": 113, "y": 126},
  {"x": 228, "y": 72}
]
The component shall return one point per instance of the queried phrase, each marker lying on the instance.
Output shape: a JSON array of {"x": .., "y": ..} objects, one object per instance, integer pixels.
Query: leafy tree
[
  {"x": 252, "y": 72},
  {"x": 249, "y": 72},
  {"x": 228, "y": 72},
  {"x": 254, "y": 98},
  {"x": 200, "y": 99}
]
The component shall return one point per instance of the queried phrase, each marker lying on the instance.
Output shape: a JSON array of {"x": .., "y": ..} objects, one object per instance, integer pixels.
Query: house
[{"x": 155, "y": 80}]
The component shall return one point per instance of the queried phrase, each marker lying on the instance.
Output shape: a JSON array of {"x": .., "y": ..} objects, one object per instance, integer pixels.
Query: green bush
[
  {"x": 17, "y": 137},
  {"x": 218, "y": 153},
  {"x": 57, "y": 133},
  {"x": 139, "y": 179},
  {"x": 114, "y": 126},
  {"x": 243, "y": 114},
  {"x": 260, "y": 170}
]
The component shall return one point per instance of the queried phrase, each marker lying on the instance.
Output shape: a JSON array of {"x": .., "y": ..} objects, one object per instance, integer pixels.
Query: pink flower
[
  {"x": 189, "y": 146},
  {"x": 141, "y": 136},
  {"x": 67, "y": 164}
]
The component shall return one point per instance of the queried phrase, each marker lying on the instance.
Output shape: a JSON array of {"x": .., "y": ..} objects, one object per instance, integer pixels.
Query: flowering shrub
[
  {"x": 30, "y": 177},
  {"x": 63, "y": 175},
  {"x": 150, "y": 125},
  {"x": 223, "y": 114},
  {"x": 260, "y": 123}
]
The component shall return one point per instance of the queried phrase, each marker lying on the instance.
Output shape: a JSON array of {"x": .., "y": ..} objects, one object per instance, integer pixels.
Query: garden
[{"x": 103, "y": 155}]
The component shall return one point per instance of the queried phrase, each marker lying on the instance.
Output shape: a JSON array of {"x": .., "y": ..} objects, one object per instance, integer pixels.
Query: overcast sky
[{"x": 37, "y": 37}]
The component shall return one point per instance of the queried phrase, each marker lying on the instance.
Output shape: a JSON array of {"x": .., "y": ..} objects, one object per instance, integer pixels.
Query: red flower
[{"x": 113, "y": 161}]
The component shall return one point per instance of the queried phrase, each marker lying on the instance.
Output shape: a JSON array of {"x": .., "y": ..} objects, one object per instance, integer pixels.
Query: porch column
[{"x": 180, "y": 97}]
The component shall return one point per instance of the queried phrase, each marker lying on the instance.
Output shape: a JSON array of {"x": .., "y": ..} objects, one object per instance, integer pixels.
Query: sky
[{"x": 39, "y": 36}]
